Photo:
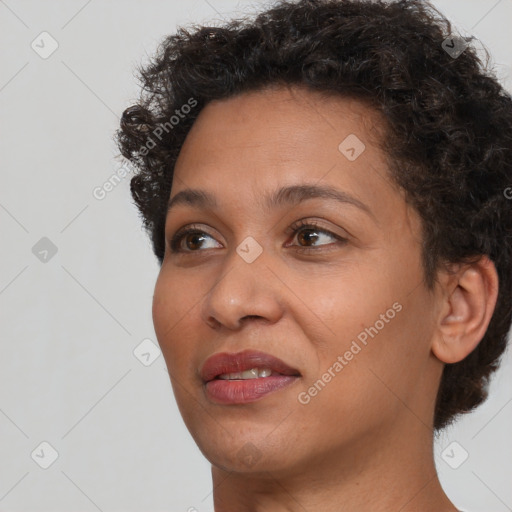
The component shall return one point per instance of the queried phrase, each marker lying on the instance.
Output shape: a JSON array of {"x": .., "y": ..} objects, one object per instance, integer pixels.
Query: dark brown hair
[{"x": 448, "y": 139}]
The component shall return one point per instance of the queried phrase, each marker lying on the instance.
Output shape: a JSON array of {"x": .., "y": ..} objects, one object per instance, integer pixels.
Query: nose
[{"x": 244, "y": 291}]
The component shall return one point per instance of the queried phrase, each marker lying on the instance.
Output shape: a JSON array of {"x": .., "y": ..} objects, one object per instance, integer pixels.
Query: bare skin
[{"x": 364, "y": 441}]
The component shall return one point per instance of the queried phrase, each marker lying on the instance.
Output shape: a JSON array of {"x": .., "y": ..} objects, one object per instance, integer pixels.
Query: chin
[{"x": 245, "y": 448}]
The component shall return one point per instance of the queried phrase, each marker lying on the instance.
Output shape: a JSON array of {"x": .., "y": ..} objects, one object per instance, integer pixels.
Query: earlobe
[{"x": 468, "y": 304}]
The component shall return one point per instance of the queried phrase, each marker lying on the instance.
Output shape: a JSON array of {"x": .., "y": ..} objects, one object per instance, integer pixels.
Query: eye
[
  {"x": 192, "y": 236},
  {"x": 305, "y": 232},
  {"x": 309, "y": 232}
]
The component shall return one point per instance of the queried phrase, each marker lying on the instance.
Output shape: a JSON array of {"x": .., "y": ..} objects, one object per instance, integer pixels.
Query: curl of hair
[{"x": 448, "y": 136}]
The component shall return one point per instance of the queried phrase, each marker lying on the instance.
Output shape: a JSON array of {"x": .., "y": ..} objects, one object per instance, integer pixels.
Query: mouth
[
  {"x": 245, "y": 377},
  {"x": 249, "y": 364},
  {"x": 253, "y": 373}
]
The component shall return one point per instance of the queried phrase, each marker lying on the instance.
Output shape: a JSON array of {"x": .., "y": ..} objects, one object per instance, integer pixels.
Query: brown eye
[
  {"x": 310, "y": 233},
  {"x": 193, "y": 240},
  {"x": 305, "y": 235}
]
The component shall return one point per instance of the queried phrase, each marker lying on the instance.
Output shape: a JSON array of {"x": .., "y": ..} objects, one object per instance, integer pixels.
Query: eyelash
[{"x": 293, "y": 229}]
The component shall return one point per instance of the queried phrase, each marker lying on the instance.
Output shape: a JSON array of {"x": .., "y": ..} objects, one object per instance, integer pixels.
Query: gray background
[{"x": 70, "y": 322}]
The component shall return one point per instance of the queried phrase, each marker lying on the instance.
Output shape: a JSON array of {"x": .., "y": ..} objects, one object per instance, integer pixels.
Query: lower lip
[{"x": 244, "y": 391}]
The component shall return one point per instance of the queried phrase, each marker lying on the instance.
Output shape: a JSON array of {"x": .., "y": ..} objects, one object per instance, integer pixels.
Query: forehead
[
  {"x": 261, "y": 132},
  {"x": 284, "y": 136},
  {"x": 286, "y": 116}
]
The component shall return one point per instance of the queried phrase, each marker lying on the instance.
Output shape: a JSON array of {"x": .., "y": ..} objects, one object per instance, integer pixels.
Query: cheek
[
  {"x": 164, "y": 308},
  {"x": 175, "y": 295},
  {"x": 174, "y": 304},
  {"x": 175, "y": 309},
  {"x": 385, "y": 350},
  {"x": 365, "y": 374},
  {"x": 347, "y": 300},
  {"x": 375, "y": 315}
]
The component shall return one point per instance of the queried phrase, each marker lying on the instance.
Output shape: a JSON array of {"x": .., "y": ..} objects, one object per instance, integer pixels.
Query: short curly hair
[{"x": 448, "y": 135}]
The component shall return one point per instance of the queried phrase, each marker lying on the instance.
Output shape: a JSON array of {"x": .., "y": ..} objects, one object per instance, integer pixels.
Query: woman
[{"x": 325, "y": 190}]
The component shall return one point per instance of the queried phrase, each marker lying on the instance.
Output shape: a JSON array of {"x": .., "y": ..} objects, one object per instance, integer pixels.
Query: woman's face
[{"x": 342, "y": 302}]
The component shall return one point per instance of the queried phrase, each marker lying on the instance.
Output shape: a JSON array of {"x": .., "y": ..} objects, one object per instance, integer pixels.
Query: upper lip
[{"x": 225, "y": 362}]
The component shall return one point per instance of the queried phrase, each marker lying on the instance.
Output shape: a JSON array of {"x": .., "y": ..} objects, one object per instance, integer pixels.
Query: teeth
[{"x": 253, "y": 373}]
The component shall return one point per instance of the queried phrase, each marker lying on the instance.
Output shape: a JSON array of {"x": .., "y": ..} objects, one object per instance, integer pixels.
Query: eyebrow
[{"x": 289, "y": 196}]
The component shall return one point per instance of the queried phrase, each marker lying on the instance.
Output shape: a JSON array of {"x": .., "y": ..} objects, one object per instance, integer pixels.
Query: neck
[{"x": 398, "y": 474}]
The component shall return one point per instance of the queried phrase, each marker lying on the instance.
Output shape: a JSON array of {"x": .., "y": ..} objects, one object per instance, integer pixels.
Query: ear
[{"x": 469, "y": 297}]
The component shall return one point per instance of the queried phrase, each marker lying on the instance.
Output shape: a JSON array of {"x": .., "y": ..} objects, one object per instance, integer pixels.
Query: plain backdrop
[{"x": 88, "y": 420}]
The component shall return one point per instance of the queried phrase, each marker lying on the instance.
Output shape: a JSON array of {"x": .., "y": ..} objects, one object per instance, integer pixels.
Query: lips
[{"x": 225, "y": 362}]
